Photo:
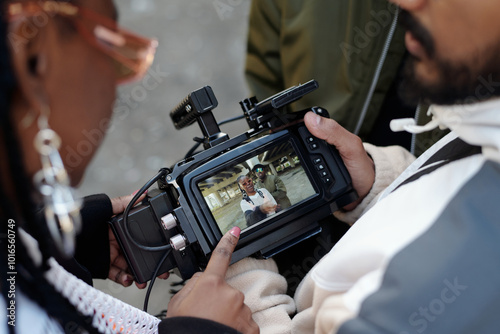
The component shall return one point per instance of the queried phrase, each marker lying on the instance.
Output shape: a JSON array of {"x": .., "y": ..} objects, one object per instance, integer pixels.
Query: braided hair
[{"x": 30, "y": 278}]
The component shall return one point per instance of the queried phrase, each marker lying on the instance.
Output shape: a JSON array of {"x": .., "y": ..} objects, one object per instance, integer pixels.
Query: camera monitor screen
[{"x": 246, "y": 193}]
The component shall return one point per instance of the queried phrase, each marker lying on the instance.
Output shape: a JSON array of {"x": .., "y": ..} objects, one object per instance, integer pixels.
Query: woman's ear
[{"x": 28, "y": 47}]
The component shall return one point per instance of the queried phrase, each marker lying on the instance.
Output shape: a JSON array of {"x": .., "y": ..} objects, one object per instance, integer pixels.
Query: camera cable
[
  {"x": 167, "y": 248},
  {"x": 126, "y": 226},
  {"x": 153, "y": 277}
]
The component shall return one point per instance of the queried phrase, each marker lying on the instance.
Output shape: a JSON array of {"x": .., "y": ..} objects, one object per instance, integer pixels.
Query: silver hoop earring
[{"x": 62, "y": 210}]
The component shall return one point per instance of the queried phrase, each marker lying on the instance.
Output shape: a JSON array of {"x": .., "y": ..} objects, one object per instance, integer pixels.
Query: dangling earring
[{"x": 62, "y": 210}]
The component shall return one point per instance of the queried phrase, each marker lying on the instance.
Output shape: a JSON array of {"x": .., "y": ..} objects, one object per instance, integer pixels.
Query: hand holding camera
[{"x": 350, "y": 147}]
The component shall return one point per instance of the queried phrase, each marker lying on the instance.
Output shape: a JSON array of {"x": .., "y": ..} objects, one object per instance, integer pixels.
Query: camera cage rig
[{"x": 178, "y": 232}]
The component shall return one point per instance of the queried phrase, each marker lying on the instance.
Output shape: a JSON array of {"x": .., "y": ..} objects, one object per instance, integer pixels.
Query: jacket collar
[{"x": 476, "y": 124}]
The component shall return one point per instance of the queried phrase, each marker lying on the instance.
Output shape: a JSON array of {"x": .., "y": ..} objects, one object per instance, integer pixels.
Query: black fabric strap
[{"x": 455, "y": 150}]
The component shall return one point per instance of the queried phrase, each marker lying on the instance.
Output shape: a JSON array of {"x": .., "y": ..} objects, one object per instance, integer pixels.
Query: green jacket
[
  {"x": 277, "y": 188},
  {"x": 337, "y": 42}
]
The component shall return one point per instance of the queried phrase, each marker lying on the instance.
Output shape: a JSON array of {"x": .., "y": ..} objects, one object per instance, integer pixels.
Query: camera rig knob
[
  {"x": 168, "y": 221},
  {"x": 178, "y": 242}
]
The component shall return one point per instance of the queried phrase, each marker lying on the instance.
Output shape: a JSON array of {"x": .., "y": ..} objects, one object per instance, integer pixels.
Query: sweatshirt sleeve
[
  {"x": 265, "y": 294},
  {"x": 280, "y": 191},
  {"x": 389, "y": 162}
]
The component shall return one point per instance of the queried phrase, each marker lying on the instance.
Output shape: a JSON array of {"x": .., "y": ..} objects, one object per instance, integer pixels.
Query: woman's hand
[{"x": 208, "y": 296}]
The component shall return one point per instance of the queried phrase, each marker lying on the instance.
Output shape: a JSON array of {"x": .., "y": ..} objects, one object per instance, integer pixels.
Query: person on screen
[
  {"x": 256, "y": 204},
  {"x": 273, "y": 184}
]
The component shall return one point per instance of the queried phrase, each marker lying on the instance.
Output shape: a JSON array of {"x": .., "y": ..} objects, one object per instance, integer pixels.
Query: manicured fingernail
[
  {"x": 135, "y": 192},
  {"x": 128, "y": 279},
  {"x": 235, "y": 231}
]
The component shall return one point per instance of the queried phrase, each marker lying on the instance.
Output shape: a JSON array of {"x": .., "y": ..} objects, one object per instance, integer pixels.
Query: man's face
[
  {"x": 455, "y": 50},
  {"x": 247, "y": 184},
  {"x": 261, "y": 174}
]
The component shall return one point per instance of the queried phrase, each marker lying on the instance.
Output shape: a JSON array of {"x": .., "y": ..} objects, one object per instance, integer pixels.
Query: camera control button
[
  {"x": 310, "y": 139},
  {"x": 317, "y": 161},
  {"x": 327, "y": 179},
  {"x": 323, "y": 173},
  {"x": 320, "y": 167},
  {"x": 313, "y": 146}
]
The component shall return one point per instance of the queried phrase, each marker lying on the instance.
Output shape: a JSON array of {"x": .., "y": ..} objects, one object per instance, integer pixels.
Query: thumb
[{"x": 332, "y": 132}]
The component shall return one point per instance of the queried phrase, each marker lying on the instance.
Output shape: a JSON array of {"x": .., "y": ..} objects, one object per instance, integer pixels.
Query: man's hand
[
  {"x": 118, "y": 269},
  {"x": 208, "y": 296},
  {"x": 352, "y": 152}
]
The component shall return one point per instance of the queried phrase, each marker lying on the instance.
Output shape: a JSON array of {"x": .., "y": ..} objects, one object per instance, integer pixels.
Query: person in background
[
  {"x": 355, "y": 50},
  {"x": 273, "y": 184}
]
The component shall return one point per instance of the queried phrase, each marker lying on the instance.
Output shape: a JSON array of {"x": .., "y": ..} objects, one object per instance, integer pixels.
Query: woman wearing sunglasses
[{"x": 60, "y": 63}]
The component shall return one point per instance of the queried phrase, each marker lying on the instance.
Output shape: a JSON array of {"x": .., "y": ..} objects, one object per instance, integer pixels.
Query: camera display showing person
[
  {"x": 273, "y": 184},
  {"x": 256, "y": 204}
]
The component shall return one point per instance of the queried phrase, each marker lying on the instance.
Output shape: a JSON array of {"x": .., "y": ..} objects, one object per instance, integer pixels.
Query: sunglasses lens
[
  {"x": 133, "y": 55},
  {"x": 259, "y": 170}
]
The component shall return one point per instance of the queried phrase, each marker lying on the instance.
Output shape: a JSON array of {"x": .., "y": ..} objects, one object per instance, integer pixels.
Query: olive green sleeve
[{"x": 263, "y": 64}]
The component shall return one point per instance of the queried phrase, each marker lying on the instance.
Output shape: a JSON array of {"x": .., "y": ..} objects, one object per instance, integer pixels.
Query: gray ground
[{"x": 202, "y": 42}]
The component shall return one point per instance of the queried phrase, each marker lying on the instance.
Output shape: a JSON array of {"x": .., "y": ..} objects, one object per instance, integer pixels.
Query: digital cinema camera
[{"x": 179, "y": 224}]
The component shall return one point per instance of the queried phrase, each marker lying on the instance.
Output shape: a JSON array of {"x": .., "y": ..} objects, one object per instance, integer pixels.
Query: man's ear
[{"x": 29, "y": 60}]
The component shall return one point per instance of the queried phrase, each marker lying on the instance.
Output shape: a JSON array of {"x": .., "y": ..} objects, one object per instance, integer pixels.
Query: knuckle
[
  {"x": 355, "y": 141},
  {"x": 212, "y": 280},
  {"x": 224, "y": 252}
]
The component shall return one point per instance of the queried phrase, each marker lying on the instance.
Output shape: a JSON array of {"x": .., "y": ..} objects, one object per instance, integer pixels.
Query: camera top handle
[
  {"x": 259, "y": 114},
  {"x": 198, "y": 106}
]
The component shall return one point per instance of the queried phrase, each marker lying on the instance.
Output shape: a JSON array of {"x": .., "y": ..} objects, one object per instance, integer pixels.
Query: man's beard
[{"x": 458, "y": 83}]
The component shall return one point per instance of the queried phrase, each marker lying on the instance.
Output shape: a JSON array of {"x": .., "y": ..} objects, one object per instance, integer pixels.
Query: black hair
[{"x": 21, "y": 210}]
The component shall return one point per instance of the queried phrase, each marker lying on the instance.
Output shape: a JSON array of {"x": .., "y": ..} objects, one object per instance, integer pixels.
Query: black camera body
[{"x": 199, "y": 199}]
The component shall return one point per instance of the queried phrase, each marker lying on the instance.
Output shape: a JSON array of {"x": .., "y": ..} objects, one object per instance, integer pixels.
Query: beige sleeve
[
  {"x": 265, "y": 294},
  {"x": 319, "y": 311},
  {"x": 389, "y": 162}
]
